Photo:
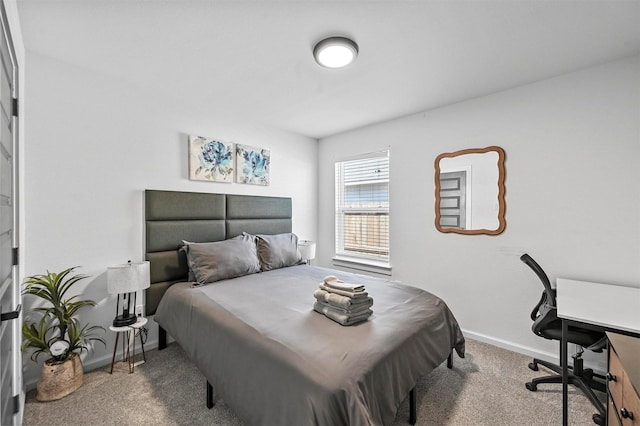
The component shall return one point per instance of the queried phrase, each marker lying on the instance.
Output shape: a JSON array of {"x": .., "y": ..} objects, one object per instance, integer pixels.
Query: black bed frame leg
[
  {"x": 162, "y": 338},
  {"x": 209, "y": 395},
  {"x": 412, "y": 394},
  {"x": 412, "y": 406}
]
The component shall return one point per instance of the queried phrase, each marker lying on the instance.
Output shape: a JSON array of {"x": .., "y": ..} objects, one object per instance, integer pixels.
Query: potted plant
[{"x": 58, "y": 333}]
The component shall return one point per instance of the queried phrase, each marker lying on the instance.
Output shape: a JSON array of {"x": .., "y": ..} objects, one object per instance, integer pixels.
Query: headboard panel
[
  {"x": 172, "y": 216},
  {"x": 252, "y": 207},
  {"x": 173, "y": 205},
  {"x": 257, "y": 226},
  {"x": 166, "y": 234}
]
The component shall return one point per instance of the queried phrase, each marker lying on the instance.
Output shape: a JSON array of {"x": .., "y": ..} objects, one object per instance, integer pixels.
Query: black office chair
[{"x": 546, "y": 324}]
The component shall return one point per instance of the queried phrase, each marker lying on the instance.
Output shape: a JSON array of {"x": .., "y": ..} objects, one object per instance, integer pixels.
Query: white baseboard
[
  {"x": 105, "y": 360},
  {"x": 597, "y": 362},
  {"x": 514, "y": 347}
]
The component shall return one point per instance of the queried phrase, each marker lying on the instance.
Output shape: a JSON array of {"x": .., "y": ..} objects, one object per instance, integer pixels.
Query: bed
[{"x": 258, "y": 341}]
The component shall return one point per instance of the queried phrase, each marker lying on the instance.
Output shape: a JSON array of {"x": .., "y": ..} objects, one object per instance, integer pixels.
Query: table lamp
[
  {"x": 307, "y": 250},
  {"x": 124, "y": 280}
]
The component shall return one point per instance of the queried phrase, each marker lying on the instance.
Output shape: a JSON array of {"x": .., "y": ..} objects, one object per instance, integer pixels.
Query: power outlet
[{"x": 139, "y": 311}]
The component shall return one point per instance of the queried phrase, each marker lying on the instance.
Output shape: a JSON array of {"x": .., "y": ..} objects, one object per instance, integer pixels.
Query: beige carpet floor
[{"x": 484, "y": 388}]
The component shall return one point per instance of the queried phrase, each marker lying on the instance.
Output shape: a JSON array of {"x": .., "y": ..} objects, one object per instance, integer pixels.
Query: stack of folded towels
[{"x": 342, "y": 302}]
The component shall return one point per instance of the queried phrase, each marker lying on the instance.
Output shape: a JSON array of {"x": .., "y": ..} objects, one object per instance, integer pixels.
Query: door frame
[{"x": 18, "y": 390}]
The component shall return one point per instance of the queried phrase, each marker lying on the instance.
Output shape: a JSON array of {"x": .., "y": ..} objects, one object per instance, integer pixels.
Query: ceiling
[{"x": 252, "y": 60}]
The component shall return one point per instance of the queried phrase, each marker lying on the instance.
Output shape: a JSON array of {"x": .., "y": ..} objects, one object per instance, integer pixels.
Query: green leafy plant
[{"x": 57, "y": 333}]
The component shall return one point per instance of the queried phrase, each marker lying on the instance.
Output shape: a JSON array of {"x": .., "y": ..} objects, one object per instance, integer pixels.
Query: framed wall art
[
  {"x": 252, "y": 165},
  {"x": 210, "y": 160}
]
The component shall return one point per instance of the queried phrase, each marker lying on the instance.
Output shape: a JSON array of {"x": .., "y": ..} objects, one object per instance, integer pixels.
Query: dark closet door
[{"x": 10, "y": 360}]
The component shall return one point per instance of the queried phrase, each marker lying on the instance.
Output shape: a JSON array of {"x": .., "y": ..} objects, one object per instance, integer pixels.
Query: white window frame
[{"x": 374, "y": 263}]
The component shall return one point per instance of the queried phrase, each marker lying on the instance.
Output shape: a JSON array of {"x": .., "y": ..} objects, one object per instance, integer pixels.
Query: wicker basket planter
[
  {"x": 53, "y": 329},
  {"x": 58, "y": 380}
]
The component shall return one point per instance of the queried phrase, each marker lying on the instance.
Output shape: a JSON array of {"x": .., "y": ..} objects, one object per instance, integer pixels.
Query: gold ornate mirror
[{"x": 470, "y": 191}]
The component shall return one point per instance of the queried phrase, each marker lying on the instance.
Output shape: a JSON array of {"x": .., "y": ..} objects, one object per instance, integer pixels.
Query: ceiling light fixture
[{"x": 335, "y": 52}]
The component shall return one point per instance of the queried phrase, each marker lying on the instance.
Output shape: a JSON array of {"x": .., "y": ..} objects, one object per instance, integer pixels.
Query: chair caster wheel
[
  {"x": 598, "y": 419},
  {"x": 533, "y": 366},
  {"x": 532, "y": 386}
]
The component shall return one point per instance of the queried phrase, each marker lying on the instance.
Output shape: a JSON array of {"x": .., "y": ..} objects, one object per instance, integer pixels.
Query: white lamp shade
[
  {"x": 128, "y": 277},
  {"x": 307, "y": 249}
]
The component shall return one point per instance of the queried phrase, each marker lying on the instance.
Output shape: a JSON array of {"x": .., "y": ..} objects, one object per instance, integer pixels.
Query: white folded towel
[
  {"x": 355, "y": 310},
  {"x": 341, "y": 318},
  {"x": 340, "y": 301},
  {"x": 334, "y": 282},
  {"x": 353, "y": 295}
]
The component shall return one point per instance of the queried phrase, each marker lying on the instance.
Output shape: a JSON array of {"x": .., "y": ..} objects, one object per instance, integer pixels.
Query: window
[{"x": 362, "y": 209}]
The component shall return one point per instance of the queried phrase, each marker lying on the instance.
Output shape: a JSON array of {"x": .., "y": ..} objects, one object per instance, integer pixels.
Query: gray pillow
[
  {"x": 220, "y": 260},
  {"x": 277, "y": 251}
]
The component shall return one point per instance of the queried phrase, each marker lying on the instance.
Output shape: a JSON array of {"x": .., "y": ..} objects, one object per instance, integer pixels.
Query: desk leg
[{"x": 565, "y": 373}]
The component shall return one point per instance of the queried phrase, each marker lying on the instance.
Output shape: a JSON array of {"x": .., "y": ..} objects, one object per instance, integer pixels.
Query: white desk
[
  {"x": 610, "y": 306},
  {"x": 604, "y": 306}
]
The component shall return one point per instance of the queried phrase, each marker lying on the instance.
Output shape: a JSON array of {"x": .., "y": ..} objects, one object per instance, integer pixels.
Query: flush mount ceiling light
[{"x": 335, "y": 52}]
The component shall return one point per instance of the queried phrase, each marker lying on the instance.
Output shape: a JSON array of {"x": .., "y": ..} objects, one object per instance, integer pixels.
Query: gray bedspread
[{"x": 275, "y": 361}]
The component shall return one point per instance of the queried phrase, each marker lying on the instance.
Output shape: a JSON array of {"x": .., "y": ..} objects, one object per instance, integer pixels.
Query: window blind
[{"x": 362, "y": 207}]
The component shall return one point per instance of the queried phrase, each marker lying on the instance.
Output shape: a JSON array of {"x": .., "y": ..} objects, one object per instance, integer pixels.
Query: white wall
[
  {"x": 95, "y": 143},
  {"x": 572, "y": 193}
]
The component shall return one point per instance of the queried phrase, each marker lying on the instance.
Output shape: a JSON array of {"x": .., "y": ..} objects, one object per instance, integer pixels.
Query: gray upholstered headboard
[{"x": 171, "y": 217}]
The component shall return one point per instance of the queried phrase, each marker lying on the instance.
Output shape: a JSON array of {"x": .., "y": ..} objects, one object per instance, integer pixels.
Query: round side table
[{"x": 129, "y": 350}]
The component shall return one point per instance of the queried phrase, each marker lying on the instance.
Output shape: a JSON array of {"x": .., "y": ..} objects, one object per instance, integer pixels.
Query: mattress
[{"x": 275, "y": 361}]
